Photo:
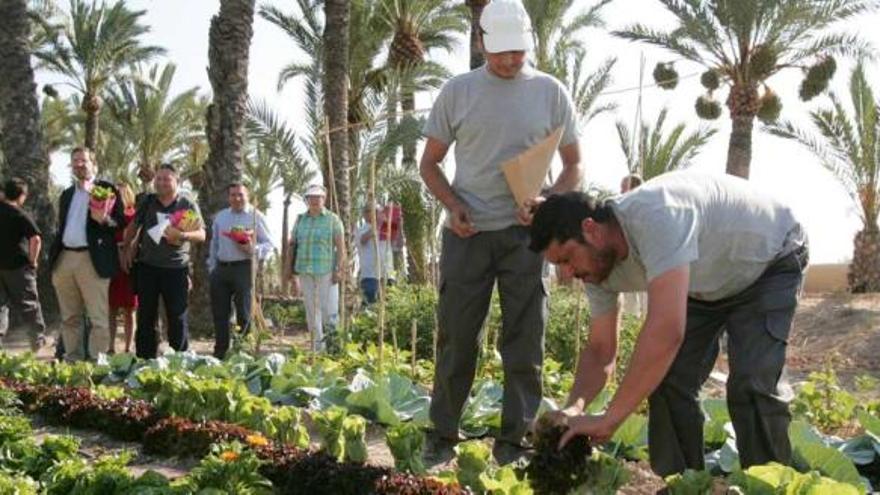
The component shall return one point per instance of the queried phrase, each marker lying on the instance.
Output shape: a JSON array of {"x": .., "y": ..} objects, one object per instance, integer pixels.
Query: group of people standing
[{"x": 121, "y": 254}]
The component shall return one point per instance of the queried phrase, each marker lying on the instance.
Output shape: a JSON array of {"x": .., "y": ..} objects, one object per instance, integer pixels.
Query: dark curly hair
[{"x": 559, "y": 218}]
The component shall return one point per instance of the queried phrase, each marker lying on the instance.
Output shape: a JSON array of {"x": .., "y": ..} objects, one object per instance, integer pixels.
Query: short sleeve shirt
[
  {"x": 316, "y": 242},
  {"x": 726, "y": 231},
  {"x": 17, "y": 228},
  {"x": 491, "y": 120},
  {"x": 163, "y": 254},
  {"x": 371, "y": 265}
]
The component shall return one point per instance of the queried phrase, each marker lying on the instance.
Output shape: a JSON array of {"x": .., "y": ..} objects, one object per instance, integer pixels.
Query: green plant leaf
[{"x": 811, "y": 453}]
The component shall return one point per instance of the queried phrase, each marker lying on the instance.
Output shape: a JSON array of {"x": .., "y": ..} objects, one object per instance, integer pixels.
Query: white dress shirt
[{"x": 77, "y": 214}]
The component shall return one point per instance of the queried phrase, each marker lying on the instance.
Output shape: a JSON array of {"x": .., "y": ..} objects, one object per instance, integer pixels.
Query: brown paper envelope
[{"x": 525, "y": 172}]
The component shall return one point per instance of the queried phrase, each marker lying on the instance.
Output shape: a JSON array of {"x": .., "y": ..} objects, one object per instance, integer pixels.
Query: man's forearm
[
  {"x": 34, "y": 245},
  {"x": 655, "y": 350},
  {"x": 438, "y": 185},
  {"x": 591, "y": 376},
  {"x": 572, "y": 171},
  {"x": 568, "y": 180}
]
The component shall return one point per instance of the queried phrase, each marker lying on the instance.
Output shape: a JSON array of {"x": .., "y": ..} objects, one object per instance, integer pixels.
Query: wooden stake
[{"x": 412, "y": 345}]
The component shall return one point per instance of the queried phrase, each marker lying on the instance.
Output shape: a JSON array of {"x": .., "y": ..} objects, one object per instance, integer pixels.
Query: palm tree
[
  {"x": 848, "y": 146},
  {"x": 656, "y": 152},
  {"x": 159, "y": 123},
  {"x": 742, "y": 43},
  {"x": 21, "y": 136},
  {"x": 336, "y": 105},
  {"x": 476, "y": 7},
  {"x": 95, "y": 44},
  {"x": 228, "y": 55},
  {"x": 560, "y": 53},
  {"x": 294, "y": 171},
  {"x": 418, "y": 27},
  {"x": 369, "y": 34}
]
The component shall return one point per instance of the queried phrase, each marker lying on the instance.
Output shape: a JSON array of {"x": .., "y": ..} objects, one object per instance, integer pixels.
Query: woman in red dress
[{"x": 122, "y": 297}]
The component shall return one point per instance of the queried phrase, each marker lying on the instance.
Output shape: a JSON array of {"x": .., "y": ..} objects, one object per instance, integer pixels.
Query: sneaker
[
  {"x": 439, "y": 449},
  {"x": 510, "y": 453},
  {"x": 40, "y": 341}
]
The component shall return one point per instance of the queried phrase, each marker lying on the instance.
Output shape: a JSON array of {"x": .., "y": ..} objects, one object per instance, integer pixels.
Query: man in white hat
[
  {"x": 492, "y": 114},
  {"x": 319, "y": 263}
]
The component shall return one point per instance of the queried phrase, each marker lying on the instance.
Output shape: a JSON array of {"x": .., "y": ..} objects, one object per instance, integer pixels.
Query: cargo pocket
[{"x": 778, "y": 323}]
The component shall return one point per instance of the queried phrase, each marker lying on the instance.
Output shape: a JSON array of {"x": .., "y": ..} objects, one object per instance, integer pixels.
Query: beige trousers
[{"x": 80, "y": 290}]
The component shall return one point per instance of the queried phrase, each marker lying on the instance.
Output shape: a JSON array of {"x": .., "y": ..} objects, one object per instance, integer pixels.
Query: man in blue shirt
[{"x": 239, "y": 234}]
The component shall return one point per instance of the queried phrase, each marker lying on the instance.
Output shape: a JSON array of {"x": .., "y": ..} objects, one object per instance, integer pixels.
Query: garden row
[{"x": 236, "y": 459}]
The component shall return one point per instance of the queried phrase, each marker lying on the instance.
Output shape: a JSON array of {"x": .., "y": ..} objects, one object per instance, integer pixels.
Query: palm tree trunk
[
  {"x": 21, "y": 136},
  {"x": 336, "y": 35},
  {"x": 415, "y": 229},
  {"x": 408, "y": 104},
  {"x": 864, "y": 270},
  {"x": 228, "y": 55},
  {"x": 285, "y": 246},
  {"x": 91, "y": 106},
  {"x": 476, "y": 7},
  {"x": 739, "y": 152}
]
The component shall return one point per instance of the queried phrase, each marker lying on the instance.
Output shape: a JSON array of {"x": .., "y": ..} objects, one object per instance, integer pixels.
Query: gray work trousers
[
  {"x": 469, "y": 269},
  {"x": 757, "y": 322},
  {"x": 18, "y": 292}
]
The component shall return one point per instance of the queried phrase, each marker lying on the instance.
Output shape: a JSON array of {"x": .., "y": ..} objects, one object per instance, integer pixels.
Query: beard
[{"x": 604, "y": 260}]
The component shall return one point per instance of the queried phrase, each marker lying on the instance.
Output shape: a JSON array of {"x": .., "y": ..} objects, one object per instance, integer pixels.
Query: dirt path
[
  {"x": 94, "y": 444},
  {"x": 840, "y": 329}
]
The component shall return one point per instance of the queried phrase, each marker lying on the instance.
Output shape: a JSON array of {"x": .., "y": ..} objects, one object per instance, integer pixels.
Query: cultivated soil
[{"x": 836, "y": 329}]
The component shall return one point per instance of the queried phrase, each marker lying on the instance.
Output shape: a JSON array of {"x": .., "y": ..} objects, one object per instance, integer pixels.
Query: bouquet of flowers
[
  {"x": 186, "y": 220},
  {"x": 239, "y": 234},
  {"x": 102, "y": 198}
]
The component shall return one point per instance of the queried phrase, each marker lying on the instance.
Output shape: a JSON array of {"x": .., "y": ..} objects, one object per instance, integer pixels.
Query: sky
[{"x": 784, "y": 168}]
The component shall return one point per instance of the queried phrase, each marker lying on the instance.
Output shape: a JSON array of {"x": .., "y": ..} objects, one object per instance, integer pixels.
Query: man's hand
[
  {"x": 174, "y": 236},
  {"x": 461, "y": 223},
  {"x": 599, "y": 428},
  {"x": 560, "y": 417},
  {"x": 247, "y": 247},
  {"x": 526, "y": 212},
  {"x": 99, "y": 215}
]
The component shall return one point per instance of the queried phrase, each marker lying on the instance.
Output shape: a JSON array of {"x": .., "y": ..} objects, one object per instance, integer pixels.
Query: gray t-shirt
[
  {"x": 727, "y": 232},
  {"x": 162, "y": 255},
  {"x": 492, "y": 120}
]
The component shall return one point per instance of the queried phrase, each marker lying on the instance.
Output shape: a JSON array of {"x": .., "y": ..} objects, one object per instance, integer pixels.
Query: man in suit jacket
[{"x": 84, "y": 258}]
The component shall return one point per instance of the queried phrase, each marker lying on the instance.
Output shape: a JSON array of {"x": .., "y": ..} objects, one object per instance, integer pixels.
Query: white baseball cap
[
  {"x": 506, "y": 27},
  {"x": 315, "y": 190}
]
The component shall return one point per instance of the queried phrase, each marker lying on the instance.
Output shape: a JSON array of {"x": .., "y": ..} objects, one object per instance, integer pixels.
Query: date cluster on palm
[{"x": 818, "y": 77}]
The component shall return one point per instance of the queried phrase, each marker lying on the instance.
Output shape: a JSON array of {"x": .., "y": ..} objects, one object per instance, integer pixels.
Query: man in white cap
[
  {"x": 492, "y": 114},
  {"x": 319, "y": 263}
]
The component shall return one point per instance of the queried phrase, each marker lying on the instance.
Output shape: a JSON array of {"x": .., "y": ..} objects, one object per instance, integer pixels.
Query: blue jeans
[{"x": 370, "y": 288}]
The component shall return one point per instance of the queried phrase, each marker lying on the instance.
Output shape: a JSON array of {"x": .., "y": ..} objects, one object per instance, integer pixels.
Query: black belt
[
  {"x": 234, "y": 263},
  {"x": 77, "y": 249}
]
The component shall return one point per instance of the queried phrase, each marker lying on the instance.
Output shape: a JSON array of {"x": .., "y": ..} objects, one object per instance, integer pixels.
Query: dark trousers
[
  {"x": 370, "y": 290},
  {"x": 757, "y": 322},
  {"x": 171, "y": 285},
  {"x": 230, "y": 284},
  {"x": 18, "y": 290},
  {"x": 469, "y": 269}
]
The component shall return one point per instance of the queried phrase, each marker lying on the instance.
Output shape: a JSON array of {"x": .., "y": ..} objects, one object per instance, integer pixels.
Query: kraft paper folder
[{"x": 525, "y": 172}]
